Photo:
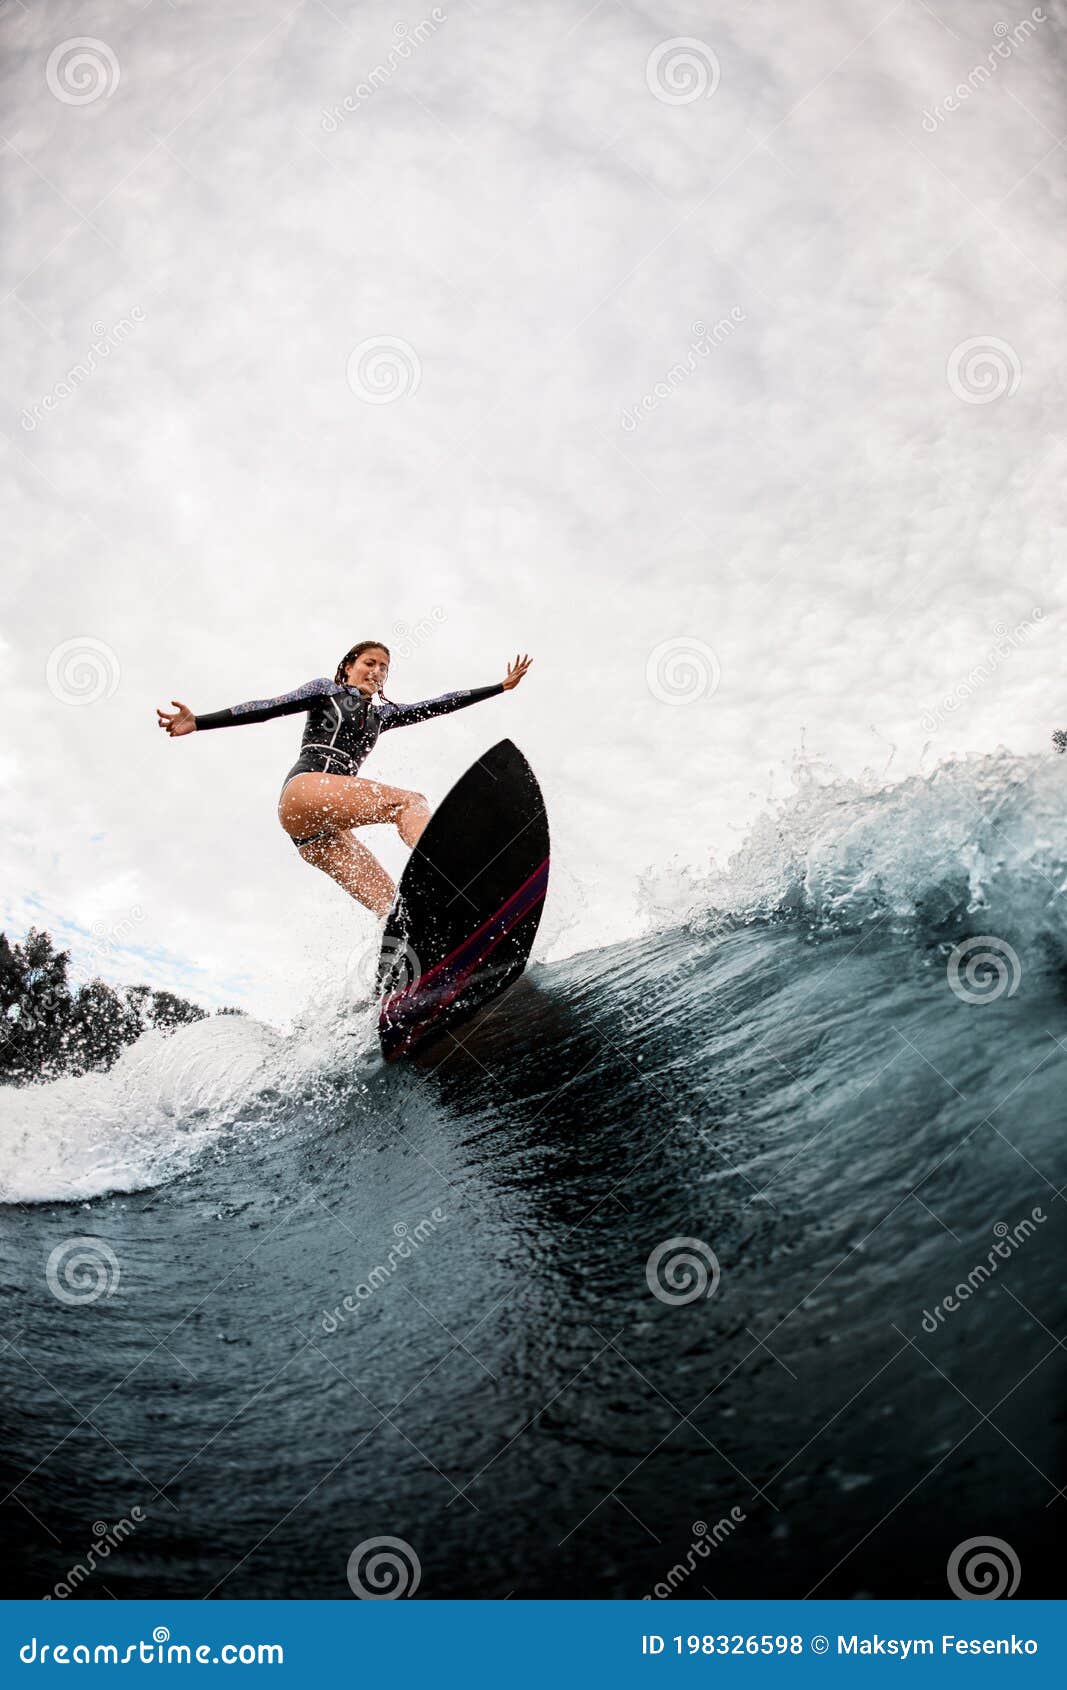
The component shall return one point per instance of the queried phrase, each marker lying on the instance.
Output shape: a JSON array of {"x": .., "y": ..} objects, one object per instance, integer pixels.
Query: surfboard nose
[{"x": 468, "y": 904}]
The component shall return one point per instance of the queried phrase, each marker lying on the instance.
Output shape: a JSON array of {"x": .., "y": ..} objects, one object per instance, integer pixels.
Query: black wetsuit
[{"x": 343, "y": 724}]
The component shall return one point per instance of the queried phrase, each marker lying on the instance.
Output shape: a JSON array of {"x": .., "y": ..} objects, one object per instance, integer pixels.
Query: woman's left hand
[{"x": 515, "y": 672}]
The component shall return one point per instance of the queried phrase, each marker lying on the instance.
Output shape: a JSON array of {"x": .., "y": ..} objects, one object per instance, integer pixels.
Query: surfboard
[{"x": 468, "y": 904}]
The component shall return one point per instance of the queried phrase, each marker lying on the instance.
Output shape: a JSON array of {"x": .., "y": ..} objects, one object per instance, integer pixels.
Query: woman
[{"x": 323, "y": 797}]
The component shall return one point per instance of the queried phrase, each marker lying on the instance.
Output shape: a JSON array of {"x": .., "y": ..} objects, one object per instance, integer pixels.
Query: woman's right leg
[{"x": 322, "y": 809}]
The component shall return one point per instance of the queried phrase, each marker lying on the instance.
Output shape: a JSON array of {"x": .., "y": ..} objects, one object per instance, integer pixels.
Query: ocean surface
[{"x": 727, "y": 1261}]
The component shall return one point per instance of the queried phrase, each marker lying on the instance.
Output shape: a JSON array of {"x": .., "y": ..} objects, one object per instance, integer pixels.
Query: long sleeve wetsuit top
[{"x": 343, "y": 724}]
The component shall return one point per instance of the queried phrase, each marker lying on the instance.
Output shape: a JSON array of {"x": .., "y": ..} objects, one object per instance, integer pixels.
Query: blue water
[{"x": 791, "y": 1069}]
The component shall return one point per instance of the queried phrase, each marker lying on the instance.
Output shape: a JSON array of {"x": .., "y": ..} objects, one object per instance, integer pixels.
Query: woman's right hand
[{"x": 179, "y": 721}]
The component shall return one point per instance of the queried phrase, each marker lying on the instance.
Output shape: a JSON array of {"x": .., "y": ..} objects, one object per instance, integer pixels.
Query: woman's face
[{"x": 369, "y": 670}]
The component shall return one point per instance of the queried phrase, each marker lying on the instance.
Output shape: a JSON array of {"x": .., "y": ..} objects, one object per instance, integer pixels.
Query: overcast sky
[{"x": 715, "y": 357}]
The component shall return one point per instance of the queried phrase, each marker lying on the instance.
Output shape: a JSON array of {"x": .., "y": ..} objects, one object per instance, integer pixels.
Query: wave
[
  {"x": 788, "y": 1087},
  {"x": 170, "y": 1099},
  {"x": 976, "y": 845}
]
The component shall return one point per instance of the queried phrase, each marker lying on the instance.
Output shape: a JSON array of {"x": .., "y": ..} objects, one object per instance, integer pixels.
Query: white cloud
[{"x": 212, "y": 502}]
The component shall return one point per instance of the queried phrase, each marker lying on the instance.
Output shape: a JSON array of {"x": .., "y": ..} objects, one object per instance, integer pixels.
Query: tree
[
  {"x": 46, "y": 1029},
  {"x": 102, "y": 1023},
  {"x": 36, "y": 1006},
  {"x": 138, "y": 998},
  {"x": 168, "y": 1012}
]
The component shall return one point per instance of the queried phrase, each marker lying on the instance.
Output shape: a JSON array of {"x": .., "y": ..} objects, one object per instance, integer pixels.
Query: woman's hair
[{"x": 357, "y": 651}]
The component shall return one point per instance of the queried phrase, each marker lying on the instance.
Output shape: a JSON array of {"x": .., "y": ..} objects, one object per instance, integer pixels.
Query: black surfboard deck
[{"x": 468, "y": 904}]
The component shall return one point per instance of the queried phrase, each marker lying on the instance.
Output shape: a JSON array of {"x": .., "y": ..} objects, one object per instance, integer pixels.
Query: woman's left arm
[{"x": 403, "y": 715}]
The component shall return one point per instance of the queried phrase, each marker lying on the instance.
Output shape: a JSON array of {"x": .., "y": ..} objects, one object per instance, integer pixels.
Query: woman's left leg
[{"x": 356, "y": 869}]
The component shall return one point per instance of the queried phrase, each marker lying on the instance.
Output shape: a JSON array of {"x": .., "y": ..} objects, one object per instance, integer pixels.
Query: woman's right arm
[{"x": 183, "y": 720}]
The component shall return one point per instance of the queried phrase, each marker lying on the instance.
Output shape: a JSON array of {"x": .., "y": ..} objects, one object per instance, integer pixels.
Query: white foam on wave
[
  {"x": 977, "y": 845},
  {"x": 168, "y": 1098}
]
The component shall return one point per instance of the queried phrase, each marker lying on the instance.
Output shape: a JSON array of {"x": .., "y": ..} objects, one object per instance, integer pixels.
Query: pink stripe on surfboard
[{"x": 420, "y": 987}]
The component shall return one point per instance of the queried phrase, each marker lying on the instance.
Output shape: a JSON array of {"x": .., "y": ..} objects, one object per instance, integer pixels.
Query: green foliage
[
  {"x": 48, "y": 1028},
  {"x": 168, "y": 1012}
]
